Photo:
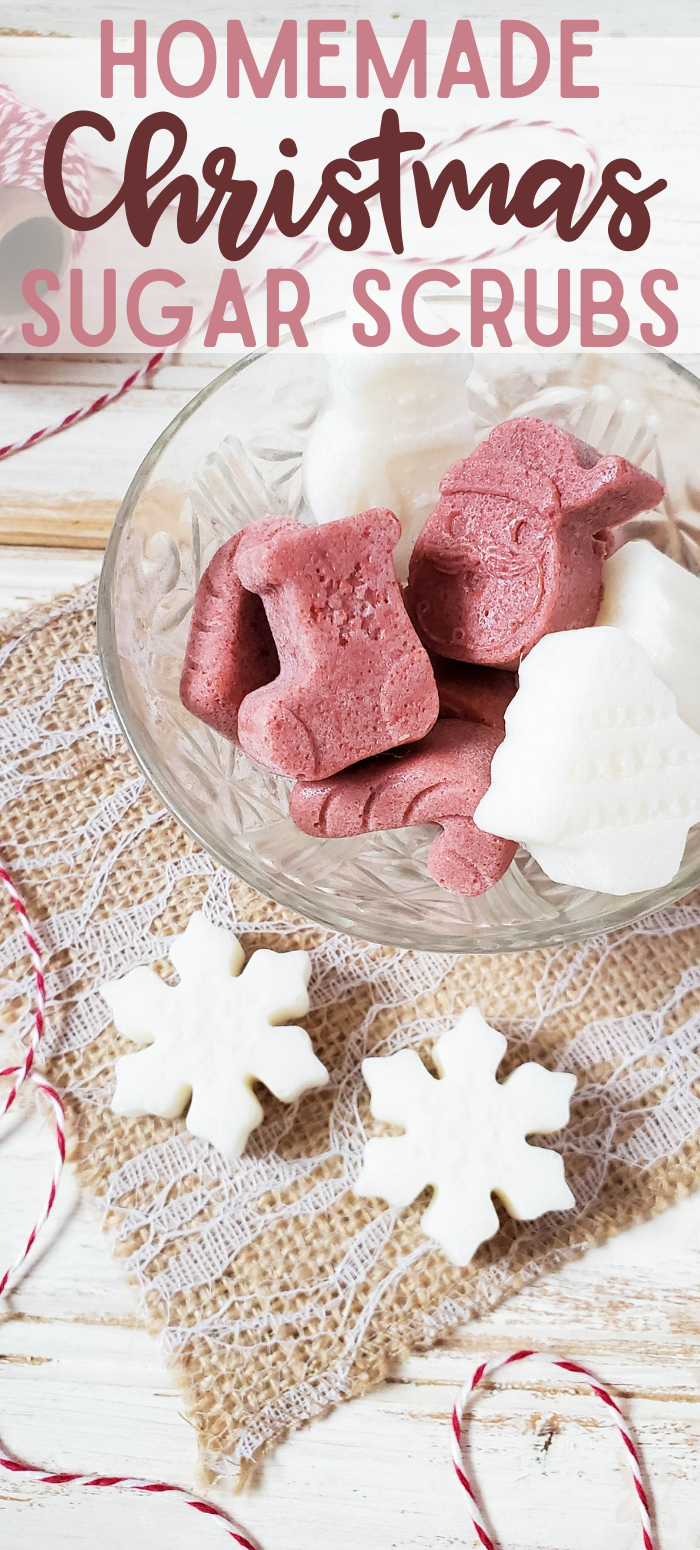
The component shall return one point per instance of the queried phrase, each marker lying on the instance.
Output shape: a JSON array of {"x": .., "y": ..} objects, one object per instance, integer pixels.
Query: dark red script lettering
[{"x": 349, "y": 225}]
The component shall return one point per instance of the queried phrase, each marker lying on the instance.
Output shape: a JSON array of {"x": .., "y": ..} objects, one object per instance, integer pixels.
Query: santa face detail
[{"x": 515, "y": 546}]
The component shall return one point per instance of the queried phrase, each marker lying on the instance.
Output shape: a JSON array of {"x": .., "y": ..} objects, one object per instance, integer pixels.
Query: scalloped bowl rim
[{"x": 510, "y": 938}]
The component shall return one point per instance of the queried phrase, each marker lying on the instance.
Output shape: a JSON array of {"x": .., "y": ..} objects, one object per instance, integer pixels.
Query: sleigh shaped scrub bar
[
  {"x": 515, "y": 546},
  {"x": 230, "y": 650},
  {"x": 354, "y": 679},
  {"x": 440, "y": 780}
]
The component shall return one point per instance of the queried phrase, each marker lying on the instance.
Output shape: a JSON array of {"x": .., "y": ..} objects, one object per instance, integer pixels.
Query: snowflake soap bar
[
  {"x": 213, "y": 1035},
  {"x": 657, "y": 602},
  {"x": 393, "y": 425},
  {"x": 465, "y": 1135},
  {"x": 597, "y": 774}
]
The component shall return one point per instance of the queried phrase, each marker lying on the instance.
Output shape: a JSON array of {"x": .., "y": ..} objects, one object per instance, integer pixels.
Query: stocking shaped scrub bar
[
  {"x": 354, "y": 678},
  {"x": 230, "y": 650},
  {"x": 515, "y": 546},
  {"x": 441, "y": 780}
]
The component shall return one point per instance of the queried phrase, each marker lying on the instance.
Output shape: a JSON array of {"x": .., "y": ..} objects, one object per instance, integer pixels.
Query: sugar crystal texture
[{"x": 354, "y": 678}]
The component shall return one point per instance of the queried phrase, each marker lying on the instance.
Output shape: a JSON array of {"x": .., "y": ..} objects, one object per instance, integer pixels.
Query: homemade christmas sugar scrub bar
[
  {"x": 394, "y": 423},
  {"x": 230, "y": 650},
  {"x": 515, "y": 546},
  {"x": 354, "y": 679},
  {"x": 439, "y": 780},
  {"x": 207, "y": 1040},
  {"x": 487, "y": 698},
  {"x": 597, "y": 774}
]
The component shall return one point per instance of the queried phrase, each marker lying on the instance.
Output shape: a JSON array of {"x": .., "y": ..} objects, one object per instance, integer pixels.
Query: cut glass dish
[{"x": 232, "y": 456}]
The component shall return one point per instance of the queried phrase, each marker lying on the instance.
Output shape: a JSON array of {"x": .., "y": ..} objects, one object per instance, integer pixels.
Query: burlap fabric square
[{"x": 277, "y": 1292}]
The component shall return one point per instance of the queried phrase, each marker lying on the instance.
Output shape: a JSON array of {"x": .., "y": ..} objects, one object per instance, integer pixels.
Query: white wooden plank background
[
  {"x": 81, "y": 18},
  {"x": 84, "y": 1386}
]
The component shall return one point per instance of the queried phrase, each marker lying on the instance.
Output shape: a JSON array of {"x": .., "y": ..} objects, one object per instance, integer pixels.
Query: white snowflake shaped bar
[
  {"x": 465, "y": 1135},
  {"x": 213, "y": 1035}
]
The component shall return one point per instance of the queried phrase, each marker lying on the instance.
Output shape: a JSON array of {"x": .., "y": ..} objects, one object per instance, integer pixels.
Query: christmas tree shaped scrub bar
[
  {"x": 597, "y": 774},
  {"x": 354, "y": 679},
  {"x": 515, "y": 546},
  {"x": 657, "y": 602}
]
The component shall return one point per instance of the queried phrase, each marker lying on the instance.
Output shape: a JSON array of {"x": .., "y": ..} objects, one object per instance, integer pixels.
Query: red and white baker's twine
[
  {"x": 483, "y": 1371},
  {"x": 86, "y": 412},
  {"x": 23, "y": 135},
  {"x": 25, "y": 1071},
  {"x": 486, "y": 1370},
  {"x": 126, "y": 1483},
  {"x": 21, "y": 1074}
]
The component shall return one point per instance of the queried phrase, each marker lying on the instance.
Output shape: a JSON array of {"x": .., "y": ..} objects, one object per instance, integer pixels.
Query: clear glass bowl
[{"x": 233, "y": 455}]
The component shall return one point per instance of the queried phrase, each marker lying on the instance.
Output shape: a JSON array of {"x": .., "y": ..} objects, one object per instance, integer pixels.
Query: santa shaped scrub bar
[{"x": 515, "y": 546}]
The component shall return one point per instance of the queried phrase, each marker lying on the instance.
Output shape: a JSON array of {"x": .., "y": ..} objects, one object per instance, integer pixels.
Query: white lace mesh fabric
[{"x": 237, "y": 1261}]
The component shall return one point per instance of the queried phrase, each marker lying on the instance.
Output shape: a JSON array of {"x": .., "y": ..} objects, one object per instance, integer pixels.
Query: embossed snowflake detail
[
  {"x": 465, "y": 1135},
  {"x": 214, "y": 1034}
]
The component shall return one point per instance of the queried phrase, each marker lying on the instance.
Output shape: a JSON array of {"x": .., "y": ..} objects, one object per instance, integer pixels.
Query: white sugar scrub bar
[
  {"x": 392, "y": 426},
  {"x": 597, "y": 774},
  {"x": 465, "y": 1134},
  {"x": 214, "y": 1034},
  {"x": 657, "y": 602}
]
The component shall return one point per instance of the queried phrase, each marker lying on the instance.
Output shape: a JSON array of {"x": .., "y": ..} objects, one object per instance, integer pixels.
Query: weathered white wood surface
[
  {"x": 84, "y": 1389},
  {"x": 74, "y": 483},
  {"x": 81, "y": 18},
  {"x": 84, "y": 1386}
]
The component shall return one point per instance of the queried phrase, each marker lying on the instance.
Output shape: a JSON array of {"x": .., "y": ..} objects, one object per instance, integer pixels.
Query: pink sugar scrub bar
[
  {"x": 354, "y": 678},
  {"x": 515, "y": 546},
  {"x": 230, "y": 650},
  {"x": 470, "y": 693},
  {"x": 439, "y": 780}
]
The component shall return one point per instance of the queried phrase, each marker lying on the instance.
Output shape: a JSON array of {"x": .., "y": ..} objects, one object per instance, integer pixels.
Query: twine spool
[
  {"x": 30, "y": 235},
  {"x": 23, "y": 135}
]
